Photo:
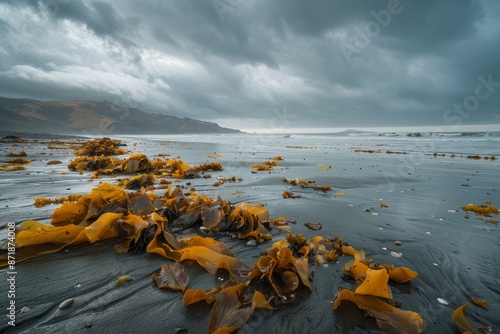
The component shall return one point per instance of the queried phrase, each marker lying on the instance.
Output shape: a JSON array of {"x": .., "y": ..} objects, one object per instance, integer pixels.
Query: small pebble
[
  {"x": 66, "y": 303},
  {"x": 24, "y": 309},
  {"x": 397, "y": 243}
]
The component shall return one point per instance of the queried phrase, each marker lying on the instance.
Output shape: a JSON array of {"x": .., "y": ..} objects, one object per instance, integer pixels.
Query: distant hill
[{"x": 92, "y": 117}]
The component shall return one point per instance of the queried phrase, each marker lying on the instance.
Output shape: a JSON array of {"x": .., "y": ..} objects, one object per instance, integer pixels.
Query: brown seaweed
[
  {"x": 232, "y": 309},
  {"x": 172, "y": 277}
]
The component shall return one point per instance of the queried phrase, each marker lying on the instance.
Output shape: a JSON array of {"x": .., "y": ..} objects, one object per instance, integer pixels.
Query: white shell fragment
[
  {"x": 396, "y": 254},
  {"x": 252, "y": 242},
  {"x": 67, "y": 303},
  {"x": 442, "y": 301}
]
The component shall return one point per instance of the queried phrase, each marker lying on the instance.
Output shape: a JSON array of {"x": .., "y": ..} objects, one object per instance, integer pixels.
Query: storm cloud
[{"x": 262, "y": 64}]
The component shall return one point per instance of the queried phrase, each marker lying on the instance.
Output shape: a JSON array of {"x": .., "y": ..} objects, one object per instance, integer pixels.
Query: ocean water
[{"x": 466, "y": 143}]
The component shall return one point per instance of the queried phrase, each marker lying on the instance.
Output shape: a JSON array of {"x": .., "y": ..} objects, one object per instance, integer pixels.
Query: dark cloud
[{"x": 326, "y": 63}]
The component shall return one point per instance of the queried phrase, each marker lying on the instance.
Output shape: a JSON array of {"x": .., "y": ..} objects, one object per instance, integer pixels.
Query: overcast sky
[{"x": 264, "y": 64}]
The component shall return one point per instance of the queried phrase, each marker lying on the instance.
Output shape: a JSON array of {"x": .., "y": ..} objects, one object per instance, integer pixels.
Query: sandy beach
[{"x": 421, "y": 222}]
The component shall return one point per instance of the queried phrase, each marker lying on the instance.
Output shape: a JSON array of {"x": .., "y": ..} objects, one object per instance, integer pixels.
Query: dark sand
[{"x": 456, "y": 255}]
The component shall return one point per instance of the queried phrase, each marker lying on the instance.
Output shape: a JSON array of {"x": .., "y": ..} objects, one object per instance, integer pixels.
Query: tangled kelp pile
[
  {"x": 144, "y": 221},
  {"x": 140, "y": 163},
  {"x": 101, "y": 147}
]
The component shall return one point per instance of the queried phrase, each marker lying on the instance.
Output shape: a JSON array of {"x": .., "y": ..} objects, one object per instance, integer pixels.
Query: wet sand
[{"x": 454, "y": 253}]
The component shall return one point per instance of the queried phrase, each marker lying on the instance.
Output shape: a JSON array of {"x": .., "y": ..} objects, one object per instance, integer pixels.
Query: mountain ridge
[{"x": 88, "y": 117}]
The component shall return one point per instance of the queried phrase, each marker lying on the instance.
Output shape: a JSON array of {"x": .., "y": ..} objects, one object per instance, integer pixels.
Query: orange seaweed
[
  {"x": 484, "y": 210},
  {"x": 194, "y": 296},
  {"x": 389, "y": 318},
  {"x": 460, "y": 319},
  {"x": 375, "y": 284}
]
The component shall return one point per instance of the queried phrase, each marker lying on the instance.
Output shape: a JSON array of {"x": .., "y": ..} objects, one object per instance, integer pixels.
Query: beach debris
[
  {"x": 140, "y": 181},
  {"x": 300, "y": 182},
  {"x": 300, "y": 147},
  {"x": 24, "y": 309},
  {"x": 172, "y": 277},
  {"x": 320, "y": 166},
  {"x": 213, "y": 155},
  {"x": 266, "y": 165},
  {"x": 221, "y": 180},
  {"x": 289, "y": 194},
  {"x": 67, "y": 303},
  {"x": 194, "y": 296},
  {"x": 237, "y": 192},
  {"x": 396, "y": 254},
  {"x": 484, "y": 210},
  {"x": 397, "y": 243},
  {"x": 145, "y": 221},
  {"x": 100, "y": 147},
  {"x": 20, "y": 154},
  {"x": 340, "y": 194},
  {"x": 314, "y": 226},
  {"x": 383, "y": 205},
  {"x": 322, "y": 188},
  {"x": 40, "y": 202},
  {"x": 11, "y": 168},
  {"x": 442, "y": 301},
  {"x": 18, "y": 161},
  {"x": 308, "y": 184},
  {"x": 123, "y": 279},
  {"x": 482, "y": 303},
  {"x": 389, "y": 318},
  {"x": 252, "y": 242},
  {"x": 232, "y": 309},
  {"x": 357, "y": 269},
  {"x": 463, "y": 323},
  {"x": 367, "y": 151},
  {"x": 139, "y": 163},
  {"x": 13, "y": 139},
  {"x": 374, "y": 285},
  {"x": 54, "y": 162}
]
